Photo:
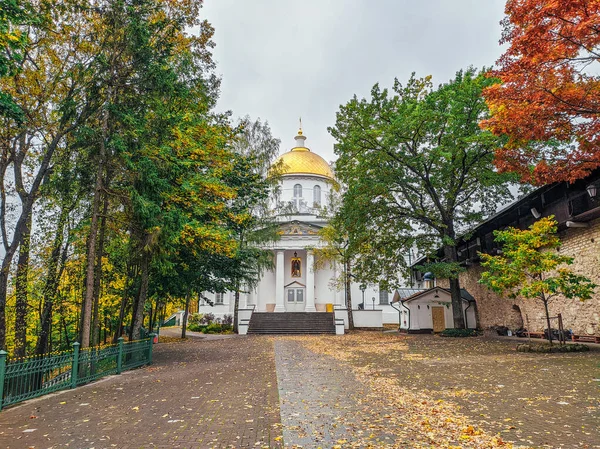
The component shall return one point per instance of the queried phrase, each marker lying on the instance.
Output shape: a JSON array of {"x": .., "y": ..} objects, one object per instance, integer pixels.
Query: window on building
[
  {"x": 384, "y": 297},
  {"x": 297, "y": 197},
  {"x": 218, "y": 298},
  {"x": 317, "y": 196},
  {"x": 297, "y": 191}
]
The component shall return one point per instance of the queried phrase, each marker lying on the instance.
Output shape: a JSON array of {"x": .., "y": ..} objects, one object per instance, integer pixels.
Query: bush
[
  {"x": 228, "y": 320},
  {"x": 212, "y": 328},
  {"x": 459, "y": 333},
  {"x": 208, "y": 318},
  {"x": 545, "y": 348},
  {"x": 197, "y": 327},
  {"x": 195, "y": 319}
]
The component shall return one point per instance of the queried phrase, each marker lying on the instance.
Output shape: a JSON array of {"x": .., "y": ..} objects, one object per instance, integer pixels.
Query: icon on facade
[{"x": 296, "y": 266}]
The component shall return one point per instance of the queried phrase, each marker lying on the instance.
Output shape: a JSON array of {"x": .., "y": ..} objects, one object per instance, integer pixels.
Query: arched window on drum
[
  {"x": 297, "y": 196},
  {"x": 317, "y": 196}
]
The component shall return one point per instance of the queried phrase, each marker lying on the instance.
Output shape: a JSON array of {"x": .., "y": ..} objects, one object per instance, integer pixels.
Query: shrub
[
  {"x": 197, "y": 327},
  {"x": 459, "y": 333},
  {"x": 195, "y": 319},
  {"x": 213, "y": 328},
  {"x": 546, "y": 348},
  {"x": 228, "y": 320},
  {"x": 208, "y": 318}
]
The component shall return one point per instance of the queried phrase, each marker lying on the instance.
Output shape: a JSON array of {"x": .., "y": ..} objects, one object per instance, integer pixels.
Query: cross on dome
[{"x": 300, "y": 138}]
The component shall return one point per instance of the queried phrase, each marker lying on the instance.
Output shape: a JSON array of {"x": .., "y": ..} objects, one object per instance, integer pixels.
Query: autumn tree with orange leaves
[{"x": 549, "y": 100}]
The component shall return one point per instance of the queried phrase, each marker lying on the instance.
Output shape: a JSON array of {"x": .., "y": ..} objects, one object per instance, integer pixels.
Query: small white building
[{"x": 431, "y": 310}]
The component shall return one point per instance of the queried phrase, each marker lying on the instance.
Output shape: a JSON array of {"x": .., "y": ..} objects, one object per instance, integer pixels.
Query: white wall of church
[
  {"x": 266, "y": 291},
  {"x": 324, "y": 291},
  {"x": 306, "y": 199}
]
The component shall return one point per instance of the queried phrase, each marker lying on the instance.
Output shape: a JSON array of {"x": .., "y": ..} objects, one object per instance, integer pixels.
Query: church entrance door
[{"x": 294, "y": 300}]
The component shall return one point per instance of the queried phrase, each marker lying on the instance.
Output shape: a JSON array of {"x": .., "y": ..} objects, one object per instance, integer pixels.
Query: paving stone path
[
  {"x": 274, "y": 392},
  {"x": 197, "y": 394},
  {"x": 319, "y": 400}
]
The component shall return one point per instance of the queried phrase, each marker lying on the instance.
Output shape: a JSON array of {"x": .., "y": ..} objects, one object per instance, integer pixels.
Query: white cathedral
[{"x": 294, "y": 285}]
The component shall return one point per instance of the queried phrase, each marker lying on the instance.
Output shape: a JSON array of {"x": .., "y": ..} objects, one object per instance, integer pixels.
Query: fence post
[
  {"x": 75, "y": 366},
  {"x": 120, "y": 356},
  {"x": 2, "y": 371},
  {"x": 152, "y": 335}
]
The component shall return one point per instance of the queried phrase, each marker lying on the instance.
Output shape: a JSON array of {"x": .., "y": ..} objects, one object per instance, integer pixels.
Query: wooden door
[{"x": 439, "y": 321}]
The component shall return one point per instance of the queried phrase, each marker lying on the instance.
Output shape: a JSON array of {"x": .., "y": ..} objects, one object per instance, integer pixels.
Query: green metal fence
[{"x": 30, "y": 377}]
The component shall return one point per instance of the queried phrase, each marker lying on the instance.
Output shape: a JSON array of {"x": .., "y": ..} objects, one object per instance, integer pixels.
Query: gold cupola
[{"x": 301, "y": 161}]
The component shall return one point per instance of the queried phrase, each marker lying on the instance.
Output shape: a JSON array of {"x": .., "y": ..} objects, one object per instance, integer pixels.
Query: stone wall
[{"x": 583, "y": 317}]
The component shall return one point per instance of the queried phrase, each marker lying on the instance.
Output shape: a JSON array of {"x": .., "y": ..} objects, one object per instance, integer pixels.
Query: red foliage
[{"x": 549, "y": 100}]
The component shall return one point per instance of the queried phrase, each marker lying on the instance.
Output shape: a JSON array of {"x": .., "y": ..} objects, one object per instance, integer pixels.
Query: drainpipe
[
  {"x": 408, "y": 328},
  {"x": 400, "y": 316},
  {"x": 466, "y": 316}
]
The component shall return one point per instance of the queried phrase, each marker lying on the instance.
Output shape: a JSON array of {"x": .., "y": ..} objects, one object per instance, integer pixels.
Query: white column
[
  {"x": 310, "y": 282},
  {"x": 260, "y": 300},
  {"x": 279, "y": 279}
]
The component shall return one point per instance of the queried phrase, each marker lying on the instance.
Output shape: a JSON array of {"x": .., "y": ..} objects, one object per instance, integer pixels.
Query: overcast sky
[{"x": 281, "y": 59}]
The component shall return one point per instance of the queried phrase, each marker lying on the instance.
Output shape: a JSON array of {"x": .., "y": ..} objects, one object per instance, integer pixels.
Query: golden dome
[{"x": 300, "y": 160}]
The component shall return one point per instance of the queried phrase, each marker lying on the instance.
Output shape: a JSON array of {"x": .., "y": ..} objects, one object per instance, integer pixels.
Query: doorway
[
  {"x": 439, "y": 321},
  {"x": 294, "y": 299}
]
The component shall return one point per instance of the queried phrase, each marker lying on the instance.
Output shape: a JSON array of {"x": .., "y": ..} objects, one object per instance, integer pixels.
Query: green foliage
[
  {"x": 459, "y": 333},
  {"x": 418, "y": 169},
  {"x": 15, "y": 16},
  {"x": 442, "y": 270},
  {"x": 120, "y": 127},
  {"x": 529, "y": 265},
  {"x": 195, "y": 319}
]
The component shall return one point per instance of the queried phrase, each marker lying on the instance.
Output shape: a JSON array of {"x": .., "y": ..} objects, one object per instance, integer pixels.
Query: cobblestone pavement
[
  {"x": 320, "y": 405},
  {"x": 181, "y": 401},
  {"x": 231, "y": 393},
  {"x": 542, "y": 400}
]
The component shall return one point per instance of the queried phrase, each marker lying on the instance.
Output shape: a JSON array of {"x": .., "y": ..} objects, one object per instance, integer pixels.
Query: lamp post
[
  {"x": 373, "y": 302},
  {"x": 363, "y": 287}
]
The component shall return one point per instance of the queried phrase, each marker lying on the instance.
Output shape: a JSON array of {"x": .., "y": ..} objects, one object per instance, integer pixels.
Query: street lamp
[
  {"x": 363, "y": 287},
  {"x": 373, "y": 302}
]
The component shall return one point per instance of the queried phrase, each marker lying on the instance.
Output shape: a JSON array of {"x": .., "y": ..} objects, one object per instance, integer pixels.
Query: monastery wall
[{"x": 583, "y": 317}]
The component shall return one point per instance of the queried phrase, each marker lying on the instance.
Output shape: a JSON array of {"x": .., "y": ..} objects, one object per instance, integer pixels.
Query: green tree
[
  {"x": 14, "y": 17},
  {"x": 252, "y": 219},
  {"x": 419, "y": 169},
  {"x": 340, "y": 246},
  {"x": 530, "y": 267}
]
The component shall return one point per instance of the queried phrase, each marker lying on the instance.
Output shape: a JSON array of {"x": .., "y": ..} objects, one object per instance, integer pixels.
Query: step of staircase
[{"x": 292, "y": 323}]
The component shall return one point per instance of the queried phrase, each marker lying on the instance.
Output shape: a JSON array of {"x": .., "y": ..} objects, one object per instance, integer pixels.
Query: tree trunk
[
  {"x": 236, "y": 308},
  {"x": 457, "y": 306},
  {"x": 50, "y": 287},
  {"x": 21, "y": 287},
  {"x": 88, "y": 300},
  {"x": 98, "y": 275},
  {"x": 185, "y": 313},
  {"x": 124, "y": 301},
  {"x": 138, "y": 312},
  {"x": 155, "y": 315},
  {"x": 545, "y": 301},
  {"x": 348, "y": 288}
]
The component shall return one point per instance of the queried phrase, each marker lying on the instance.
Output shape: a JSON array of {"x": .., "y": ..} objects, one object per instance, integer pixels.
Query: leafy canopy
[
  {"x": 529, "y": 266},
  {"x": 549, "y": 100},
  {"x": 417, "y": 166}
]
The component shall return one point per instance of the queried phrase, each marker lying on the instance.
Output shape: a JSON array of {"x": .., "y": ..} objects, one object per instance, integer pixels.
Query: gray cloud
[{"x": 281, "y": 59}]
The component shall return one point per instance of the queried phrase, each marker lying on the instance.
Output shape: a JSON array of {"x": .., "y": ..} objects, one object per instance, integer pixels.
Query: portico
[{"x": 294, "y": 281}]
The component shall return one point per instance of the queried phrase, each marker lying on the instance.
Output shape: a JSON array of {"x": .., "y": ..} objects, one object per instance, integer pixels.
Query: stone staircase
[{"x": 292, "y": 323}]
